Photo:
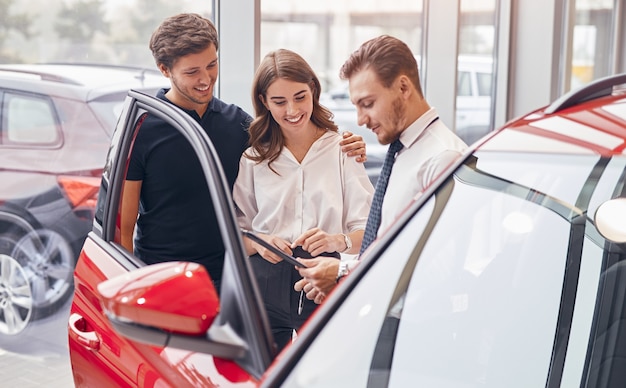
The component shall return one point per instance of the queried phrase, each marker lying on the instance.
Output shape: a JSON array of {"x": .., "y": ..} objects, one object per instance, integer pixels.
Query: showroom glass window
[
  {"x": 325, "y": 32},
  {"x": 475, "y": 76},
  {"x": 115, "y": 32},
  {"x": 592, "y": 41}
]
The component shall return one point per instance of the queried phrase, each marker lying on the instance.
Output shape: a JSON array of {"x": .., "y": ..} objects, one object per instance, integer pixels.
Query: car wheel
[
  {"x": 16, "y": 302},
  {"x": 48, "y": 261}
]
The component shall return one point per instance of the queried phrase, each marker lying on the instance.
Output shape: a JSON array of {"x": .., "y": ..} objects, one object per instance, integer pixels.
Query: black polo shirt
[{"x": 177, "y": 220}]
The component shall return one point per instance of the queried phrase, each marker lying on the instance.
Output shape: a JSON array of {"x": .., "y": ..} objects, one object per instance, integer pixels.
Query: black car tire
[
  {"x": 46, "y": 261},
  {"x": 15, "y": 292},
  {"x": 49, "y": 260}
]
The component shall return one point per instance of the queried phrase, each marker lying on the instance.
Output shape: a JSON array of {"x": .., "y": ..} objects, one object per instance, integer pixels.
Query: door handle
[{"x": 79, "y": 331}]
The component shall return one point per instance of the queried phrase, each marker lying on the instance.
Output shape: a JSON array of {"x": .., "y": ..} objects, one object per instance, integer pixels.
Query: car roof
[
  {"x": 79, "y": 81},
  {"x": 588, "y": 120},
  {"x": 478, "y": 63}
]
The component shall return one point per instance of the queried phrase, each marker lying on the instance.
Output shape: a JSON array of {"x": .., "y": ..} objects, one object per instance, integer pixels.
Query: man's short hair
[
  {"x": 181, "y": 35},
  {"x": 388, "y": 57}
]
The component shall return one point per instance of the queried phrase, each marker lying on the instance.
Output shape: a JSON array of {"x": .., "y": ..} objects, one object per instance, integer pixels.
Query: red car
[
  {"x": 509, "y": 271},
  {"x": 56, "y": 122}
]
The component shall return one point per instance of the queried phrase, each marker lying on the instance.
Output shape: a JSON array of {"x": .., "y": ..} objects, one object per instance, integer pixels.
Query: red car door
[{"x": 100, "y": 355}]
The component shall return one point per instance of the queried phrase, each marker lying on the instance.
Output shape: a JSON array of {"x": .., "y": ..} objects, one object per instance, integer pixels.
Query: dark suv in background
[{"x": 56, "y": 122}]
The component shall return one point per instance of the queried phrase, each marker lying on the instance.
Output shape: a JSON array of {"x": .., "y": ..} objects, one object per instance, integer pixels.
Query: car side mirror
[
  {"x": 169, "y": 304},
  {"x": 610, "y": 220}
]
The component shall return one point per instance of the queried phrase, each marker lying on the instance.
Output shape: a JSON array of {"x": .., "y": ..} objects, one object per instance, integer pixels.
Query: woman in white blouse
[{"x": 296, "y": 188}]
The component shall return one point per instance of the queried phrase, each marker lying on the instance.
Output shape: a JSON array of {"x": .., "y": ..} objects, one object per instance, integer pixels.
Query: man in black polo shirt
[{"x": 165, "y": 185}]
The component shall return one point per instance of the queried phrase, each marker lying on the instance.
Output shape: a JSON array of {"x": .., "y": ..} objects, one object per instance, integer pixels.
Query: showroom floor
[{"x": 39, "y": 358}]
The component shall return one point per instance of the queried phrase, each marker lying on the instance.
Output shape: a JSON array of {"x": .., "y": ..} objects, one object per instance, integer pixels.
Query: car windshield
[
  {"x": 476, "y": 278},
  {"x": 475, "y": 300}
]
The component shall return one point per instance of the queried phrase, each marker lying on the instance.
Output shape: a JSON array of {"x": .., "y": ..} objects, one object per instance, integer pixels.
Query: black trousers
[{"x": 281, "y": 301}]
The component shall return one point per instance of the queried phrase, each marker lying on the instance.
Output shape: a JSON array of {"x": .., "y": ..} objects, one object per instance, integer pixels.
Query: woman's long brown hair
[{"x": 266, "y": 137}]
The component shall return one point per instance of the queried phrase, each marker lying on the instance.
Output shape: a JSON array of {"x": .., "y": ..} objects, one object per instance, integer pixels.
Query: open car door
[{"x": 164, "y": 322}]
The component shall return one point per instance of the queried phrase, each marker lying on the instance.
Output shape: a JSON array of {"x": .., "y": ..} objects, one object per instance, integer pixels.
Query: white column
[
  {"x": 502, "y": 67},
  {"x": 238, "y": 24},
  {"x": 536, "y": 48},
  {"x": 440, "y": 57}
]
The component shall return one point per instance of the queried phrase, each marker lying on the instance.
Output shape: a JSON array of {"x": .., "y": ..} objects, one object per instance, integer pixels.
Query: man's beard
[{"x": 398, "y": 120}]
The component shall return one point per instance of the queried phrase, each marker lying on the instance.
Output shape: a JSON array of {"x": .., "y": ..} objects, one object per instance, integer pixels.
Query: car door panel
[{"x": 90, "y": 334}]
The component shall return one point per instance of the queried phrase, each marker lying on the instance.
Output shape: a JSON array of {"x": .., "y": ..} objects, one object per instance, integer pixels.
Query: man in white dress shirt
[{"x": 385, "y": 88}]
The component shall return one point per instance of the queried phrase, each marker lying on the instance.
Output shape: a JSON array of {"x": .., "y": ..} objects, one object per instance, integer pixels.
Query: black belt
[{"x": 299, "y": 252}]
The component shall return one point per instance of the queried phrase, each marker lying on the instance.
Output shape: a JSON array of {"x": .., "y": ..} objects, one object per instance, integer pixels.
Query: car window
[
  {"x": 464, "y": 84},
  {"x": 476, "y": 285},
  {"x": 122, "y": 181},
  {"x": 29, "y": 119},
  {"x": 108, "y": 172},
  {"x": 555, "y": 175},
  {"x": 484, "y": 83},
  {"x": 451, "y": 295}
]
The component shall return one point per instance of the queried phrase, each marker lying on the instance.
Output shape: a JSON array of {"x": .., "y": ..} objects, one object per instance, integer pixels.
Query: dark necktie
[{"x": 373, "y": 220}]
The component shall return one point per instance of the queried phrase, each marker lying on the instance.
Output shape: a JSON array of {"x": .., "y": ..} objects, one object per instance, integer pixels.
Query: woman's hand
[
  {"x": 266, "y": 253},
  {"x": 316, "y": 241}
]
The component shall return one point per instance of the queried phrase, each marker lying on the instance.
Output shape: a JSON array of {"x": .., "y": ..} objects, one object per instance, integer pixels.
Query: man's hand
[
  {"x": 321, "y": 274},
  {"x": 311, "y": 292},
  {"x": 353, "y": 145}
]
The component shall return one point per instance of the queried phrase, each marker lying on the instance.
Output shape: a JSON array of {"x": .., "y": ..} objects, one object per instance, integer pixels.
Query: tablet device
[{"x": 290, "y": 259}]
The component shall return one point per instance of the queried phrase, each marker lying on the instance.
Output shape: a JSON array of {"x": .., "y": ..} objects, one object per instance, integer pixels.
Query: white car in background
[{"x": 473, "y": 97}]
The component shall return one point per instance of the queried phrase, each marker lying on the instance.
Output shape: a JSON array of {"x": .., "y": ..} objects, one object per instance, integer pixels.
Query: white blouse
[{"x": 328, "y": 190}]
